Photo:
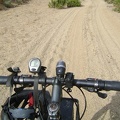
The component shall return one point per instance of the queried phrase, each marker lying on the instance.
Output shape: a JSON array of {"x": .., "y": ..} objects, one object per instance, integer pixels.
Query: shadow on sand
[{"x": 112, "y": 109}]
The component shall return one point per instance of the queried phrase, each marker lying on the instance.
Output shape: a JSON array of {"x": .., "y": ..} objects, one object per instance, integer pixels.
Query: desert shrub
[
  {"x": 73, "y": 3},
  {"x": 4, "y": 4},
  {"x": 62, "y": 3},
  {"x": 52, "y": 4},
  {"x": 109, "y": 1},
  {"x": 117, "y": 5},
  {"x": 57, "y": 3}
]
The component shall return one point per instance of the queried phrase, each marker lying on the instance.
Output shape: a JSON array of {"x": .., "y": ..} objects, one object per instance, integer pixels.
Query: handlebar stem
[{"x": 56, "y": 91}]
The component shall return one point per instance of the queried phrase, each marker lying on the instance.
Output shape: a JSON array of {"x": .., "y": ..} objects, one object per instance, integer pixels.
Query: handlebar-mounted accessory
[
  {"x": 13, "y": 112},
  {"x": 96, "y": 88},
  {"x": 34, "y": 65},
  {"x": 60, "y": 68},
  {"x": 69, "y": 80},
  {"x": 8, "y": 108},
  {"x": 10, "y": 80},
  {"x": 14, "y": 72}
]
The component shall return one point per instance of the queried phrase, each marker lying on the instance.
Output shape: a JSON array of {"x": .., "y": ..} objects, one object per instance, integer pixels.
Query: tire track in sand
[
  {"x": 102, "y": 52},
  {"x": 97, "y": 49},
  {"x": 110, "y": 48},
  {"x": 53, "y": 42}
]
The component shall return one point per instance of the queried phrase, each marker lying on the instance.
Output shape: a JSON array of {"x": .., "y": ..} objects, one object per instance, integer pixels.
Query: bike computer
[{"x": 34, "y": 65}]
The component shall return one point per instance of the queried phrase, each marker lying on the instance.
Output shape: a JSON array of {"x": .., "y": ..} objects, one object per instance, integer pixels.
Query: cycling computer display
[{"x": 34, "y": 65}]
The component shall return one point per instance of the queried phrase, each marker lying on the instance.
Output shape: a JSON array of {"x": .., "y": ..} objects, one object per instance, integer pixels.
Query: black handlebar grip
[
  {"x": 112, "y": 85},
  {"x": 98, "y": 84},
  {"x": 3, "y": 80}
]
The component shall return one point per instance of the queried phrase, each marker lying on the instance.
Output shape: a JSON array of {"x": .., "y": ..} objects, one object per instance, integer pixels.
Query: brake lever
[{"x": 100, "y": 94}]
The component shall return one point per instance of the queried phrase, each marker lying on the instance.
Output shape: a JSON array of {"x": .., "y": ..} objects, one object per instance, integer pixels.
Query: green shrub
[
  {"x": 73, "y": 3},
  {"x": 109, "y": 1},
  {"x": 52, "y": 4},
  {"x": 62, "y": 3},
  {"x": 116, "y": 4},
  {"x": 57, "y": 3}
]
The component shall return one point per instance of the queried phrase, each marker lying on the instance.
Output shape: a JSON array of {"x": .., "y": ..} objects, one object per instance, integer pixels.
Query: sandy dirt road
[{"x": 87, "y": 38}]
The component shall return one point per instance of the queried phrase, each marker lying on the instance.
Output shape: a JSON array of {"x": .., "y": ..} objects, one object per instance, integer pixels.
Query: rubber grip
[{"x": 112, "y": 85}]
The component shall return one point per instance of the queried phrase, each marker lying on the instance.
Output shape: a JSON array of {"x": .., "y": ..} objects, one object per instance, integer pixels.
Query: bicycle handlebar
[
  {"x": 90, "y": 82},
  {"x": 99, "y": 84}
]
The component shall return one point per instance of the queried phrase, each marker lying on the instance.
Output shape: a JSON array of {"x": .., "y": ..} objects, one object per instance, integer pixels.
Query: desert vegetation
[
  {"x": 116, "y": 3},
  {"x": 4, "y": 4},
  {"x": 63, "y": 3}
]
